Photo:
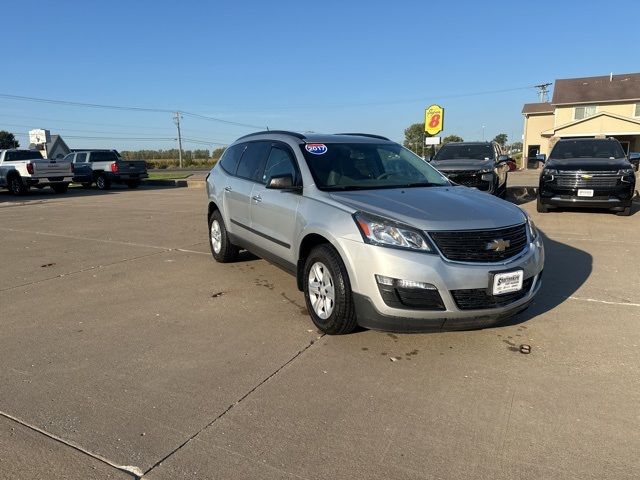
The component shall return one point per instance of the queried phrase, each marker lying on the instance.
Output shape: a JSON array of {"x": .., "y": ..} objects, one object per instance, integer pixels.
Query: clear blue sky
[{"x": 369, "y": 66}]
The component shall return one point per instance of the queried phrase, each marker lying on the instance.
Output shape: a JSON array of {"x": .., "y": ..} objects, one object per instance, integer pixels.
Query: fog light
[
  {"x": 487, "y": 177},
  {"x": 396, "y": 282}
]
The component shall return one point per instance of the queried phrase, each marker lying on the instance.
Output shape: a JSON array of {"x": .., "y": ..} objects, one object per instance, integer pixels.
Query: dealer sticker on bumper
[{"x": 507, "y": 282}]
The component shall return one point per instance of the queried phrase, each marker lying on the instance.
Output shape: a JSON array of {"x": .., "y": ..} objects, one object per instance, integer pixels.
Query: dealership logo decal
[
  {"x": 499, "y": 245},
  {"x": 316, "y": 148}
]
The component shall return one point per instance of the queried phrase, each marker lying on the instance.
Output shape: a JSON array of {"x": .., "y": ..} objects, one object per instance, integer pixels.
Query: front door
[{"x": 274, "y": 212}]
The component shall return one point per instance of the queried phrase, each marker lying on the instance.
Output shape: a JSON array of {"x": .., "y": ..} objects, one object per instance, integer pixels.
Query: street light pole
[{"x": 176, "y": 119}]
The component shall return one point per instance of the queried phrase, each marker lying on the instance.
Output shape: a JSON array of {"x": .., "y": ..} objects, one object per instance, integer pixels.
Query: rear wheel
[
  {"x": 541, "y": 207},
  {"x": 327, "y": 291},
  {"x": 221, "y": 247},
  {"x": 17, "y": 186},
  {"x": 102, "y": 182},
  {"x": 60, "y": 187}
]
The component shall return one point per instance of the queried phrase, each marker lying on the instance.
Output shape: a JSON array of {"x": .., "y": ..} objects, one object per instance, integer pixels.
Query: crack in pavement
[
  {"x": 135, "y": 472},
  {"x": 230, "y": 407}
]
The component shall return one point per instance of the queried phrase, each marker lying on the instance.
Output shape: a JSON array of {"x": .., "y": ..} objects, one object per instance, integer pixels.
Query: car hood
[
  {"x": 587, "y": 164},
  {"x": 434, "y": 208},
  {"x": 462, "y": 164}
]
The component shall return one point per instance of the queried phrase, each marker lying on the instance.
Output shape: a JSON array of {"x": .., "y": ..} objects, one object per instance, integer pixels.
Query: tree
[
  {"x": 414, "y": 138},
  {"x": 7, "y": 140},
  {"x": 501, "y": 139},
  {"x": 452, "y": 138},
  {"x": 516, "y": 147}
]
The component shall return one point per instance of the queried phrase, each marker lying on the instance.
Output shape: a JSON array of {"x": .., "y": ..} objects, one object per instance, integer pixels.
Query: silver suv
[{"x": 375, "y": 236}]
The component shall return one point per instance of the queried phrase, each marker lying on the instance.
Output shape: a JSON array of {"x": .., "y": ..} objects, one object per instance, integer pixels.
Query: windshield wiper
[{"x": 420, "y": 184}]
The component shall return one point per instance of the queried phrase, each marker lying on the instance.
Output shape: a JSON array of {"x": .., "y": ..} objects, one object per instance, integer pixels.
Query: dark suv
[
  {"x": 475, "y": 164},
  {"x": 587, "y": 172}
]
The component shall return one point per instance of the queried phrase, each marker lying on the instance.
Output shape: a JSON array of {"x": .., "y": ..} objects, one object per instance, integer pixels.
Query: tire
[
  {"x": 222, "y": 249},
  {"x": 17, "y": 186},
  {"x": 624, "y": 213},
  {"x": 102, "y": 182},
  {"x": 60, "y": 187},
  {"x": 133, "y": 184},
  {"x": 324, "y": 272},
  {"x": 540, "y": 207}
]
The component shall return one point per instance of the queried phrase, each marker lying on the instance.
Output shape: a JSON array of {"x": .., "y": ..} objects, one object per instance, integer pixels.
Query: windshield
[
  {"x": 451, "y": 151},
  {"x": 582, "y": 149},
  {"x": 355, "y": 166}
]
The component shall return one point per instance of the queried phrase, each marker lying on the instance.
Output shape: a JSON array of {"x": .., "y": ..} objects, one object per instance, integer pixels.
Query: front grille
[
  {"x": 472, "y": 245},
  {"x": 480, "y": 299},
  {"x": 593, "y": 180},
  {"x": 467, "y": 179},
  {"x": 411, "y": 298}
]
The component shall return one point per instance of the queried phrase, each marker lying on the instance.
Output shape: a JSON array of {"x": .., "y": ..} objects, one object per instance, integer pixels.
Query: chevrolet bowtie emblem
[{"x": 499, "y": 245}]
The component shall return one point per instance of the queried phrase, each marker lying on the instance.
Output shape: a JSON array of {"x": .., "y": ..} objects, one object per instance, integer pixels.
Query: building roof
[
  {"x": 544, "y": 107},
  {"x": 608, "y": 88}
]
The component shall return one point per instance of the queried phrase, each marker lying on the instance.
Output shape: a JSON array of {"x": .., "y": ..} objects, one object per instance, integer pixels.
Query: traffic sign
[{"x": 434, "y": 120}]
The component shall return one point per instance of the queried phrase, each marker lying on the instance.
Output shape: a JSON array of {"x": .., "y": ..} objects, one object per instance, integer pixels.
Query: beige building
[{"x": 585, "y": 107}]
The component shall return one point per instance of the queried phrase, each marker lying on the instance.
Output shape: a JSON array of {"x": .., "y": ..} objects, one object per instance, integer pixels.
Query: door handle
[
  {"x": 227, "y": 189},
  {"x": 257, "y": 198}
]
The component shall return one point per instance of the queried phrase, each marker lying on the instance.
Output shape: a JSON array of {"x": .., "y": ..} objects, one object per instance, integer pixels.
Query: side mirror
[
  {"x": 503, "y": 158},
  {"x": 281, "y": 182},
  {"x": 541, "y": 157},
  {"x": 634, "y": 156}
]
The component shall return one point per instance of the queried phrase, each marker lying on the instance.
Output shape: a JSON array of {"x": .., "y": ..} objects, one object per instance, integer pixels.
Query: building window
[
  {"x": 637, "y": 111},
  {"x": 584, "y": 112}
]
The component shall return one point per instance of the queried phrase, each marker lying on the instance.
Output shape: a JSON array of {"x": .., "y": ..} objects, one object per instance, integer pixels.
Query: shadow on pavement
[{"x": 74, "y": 191}]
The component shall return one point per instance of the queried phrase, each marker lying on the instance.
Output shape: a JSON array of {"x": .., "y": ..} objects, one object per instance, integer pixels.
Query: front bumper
[
  {"x": 365, "y": 261},
  {"x": 617, "y": 197}
]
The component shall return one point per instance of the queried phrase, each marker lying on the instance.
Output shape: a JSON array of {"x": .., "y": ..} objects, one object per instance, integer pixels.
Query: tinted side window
[
  {"x": 252, "y": 161},
  {"x": 103, "y": 157},
  {"x": 280, "y": 162},
  {"x": 81, "y": 157},
  {"x": 23, "y": 155},
  {"x": 231, "y": 157}
]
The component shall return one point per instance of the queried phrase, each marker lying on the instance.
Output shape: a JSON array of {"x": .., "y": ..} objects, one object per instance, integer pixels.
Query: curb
[{"x": 175, "y": 183}]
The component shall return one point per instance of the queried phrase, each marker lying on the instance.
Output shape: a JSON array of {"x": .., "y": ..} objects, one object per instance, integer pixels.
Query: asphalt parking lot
[{"x": 127, "y": 351}]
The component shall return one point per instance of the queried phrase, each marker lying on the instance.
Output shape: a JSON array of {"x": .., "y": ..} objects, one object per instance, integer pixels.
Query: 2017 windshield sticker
[{"x": 316, "y": 148}]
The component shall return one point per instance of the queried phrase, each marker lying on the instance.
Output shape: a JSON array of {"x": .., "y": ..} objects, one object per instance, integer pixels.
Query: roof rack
[
  {"x": 370, "y": 135},
  {"x": 282, "y": 132}
]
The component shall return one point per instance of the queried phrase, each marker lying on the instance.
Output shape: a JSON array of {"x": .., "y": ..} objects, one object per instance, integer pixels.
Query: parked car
[
  {"x": 22, "y": 169},
  {"x": 106, "y": 167},
  {"x": 374, "y": 235},
  {"x": 481, "y": 165},
  {"x": 587, "y": 172}
]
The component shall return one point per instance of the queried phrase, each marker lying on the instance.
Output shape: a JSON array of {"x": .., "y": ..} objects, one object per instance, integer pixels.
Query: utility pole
[
  {"x": 543, "y": 91},
  {"x": 176, "y": 119}
]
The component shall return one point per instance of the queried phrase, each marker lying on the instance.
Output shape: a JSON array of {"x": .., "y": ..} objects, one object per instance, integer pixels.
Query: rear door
[
  {"x": 239, "y": 188},
  {"x": 273, "y": 212}
]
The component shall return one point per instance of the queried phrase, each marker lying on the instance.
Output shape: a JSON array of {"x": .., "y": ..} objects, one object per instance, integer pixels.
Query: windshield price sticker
[
  {"x": 316, "y": 148},
  {"x": 507, "y": 282}
]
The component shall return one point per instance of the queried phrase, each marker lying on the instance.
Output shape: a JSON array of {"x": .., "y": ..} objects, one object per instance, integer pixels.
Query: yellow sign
[{"x": 433, "y": 119}]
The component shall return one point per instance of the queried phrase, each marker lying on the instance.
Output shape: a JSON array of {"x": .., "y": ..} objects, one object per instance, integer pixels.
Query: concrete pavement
[{"x": 127, "y": 351}]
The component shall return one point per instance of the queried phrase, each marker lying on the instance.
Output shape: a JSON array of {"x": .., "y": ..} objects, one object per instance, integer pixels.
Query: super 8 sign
[{"x": 434, "y": 119}]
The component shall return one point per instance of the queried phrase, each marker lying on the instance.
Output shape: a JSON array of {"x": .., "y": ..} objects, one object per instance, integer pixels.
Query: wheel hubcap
[
  {"x": 321, "y": 290},
  {"x": 100, "y": 182},
  {"x": 216, "y": 236}
]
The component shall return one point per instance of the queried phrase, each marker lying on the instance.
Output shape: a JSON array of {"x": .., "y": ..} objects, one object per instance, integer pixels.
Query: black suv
[
  {"x": 587, "y": 172},
  {"x": 475, "y": 164}
]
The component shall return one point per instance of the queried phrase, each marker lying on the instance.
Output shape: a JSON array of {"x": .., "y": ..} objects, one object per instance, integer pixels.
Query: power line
[{"x": 122, "y": 107}]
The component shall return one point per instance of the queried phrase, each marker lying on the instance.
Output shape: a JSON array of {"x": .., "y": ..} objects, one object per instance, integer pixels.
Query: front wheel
[
  {"x": 541, "y": 207},
  {"x": 626, "y": 212},
  {"x": 327, "y": 292},
  {"x": 60, "y": 187},
  {"x": 221, "y": 247}
]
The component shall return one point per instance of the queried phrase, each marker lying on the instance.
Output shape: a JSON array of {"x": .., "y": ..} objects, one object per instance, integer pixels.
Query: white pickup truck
[{"x": 23, "y": 169}]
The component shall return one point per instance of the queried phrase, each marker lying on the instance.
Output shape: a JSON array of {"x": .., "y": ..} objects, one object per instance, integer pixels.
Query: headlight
[
  {"x": 532, "y": 229},
  {"x": 626, "y": 171},
  {"x": 486, "y": 170},
  {"x": 386, "y": 233}
]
